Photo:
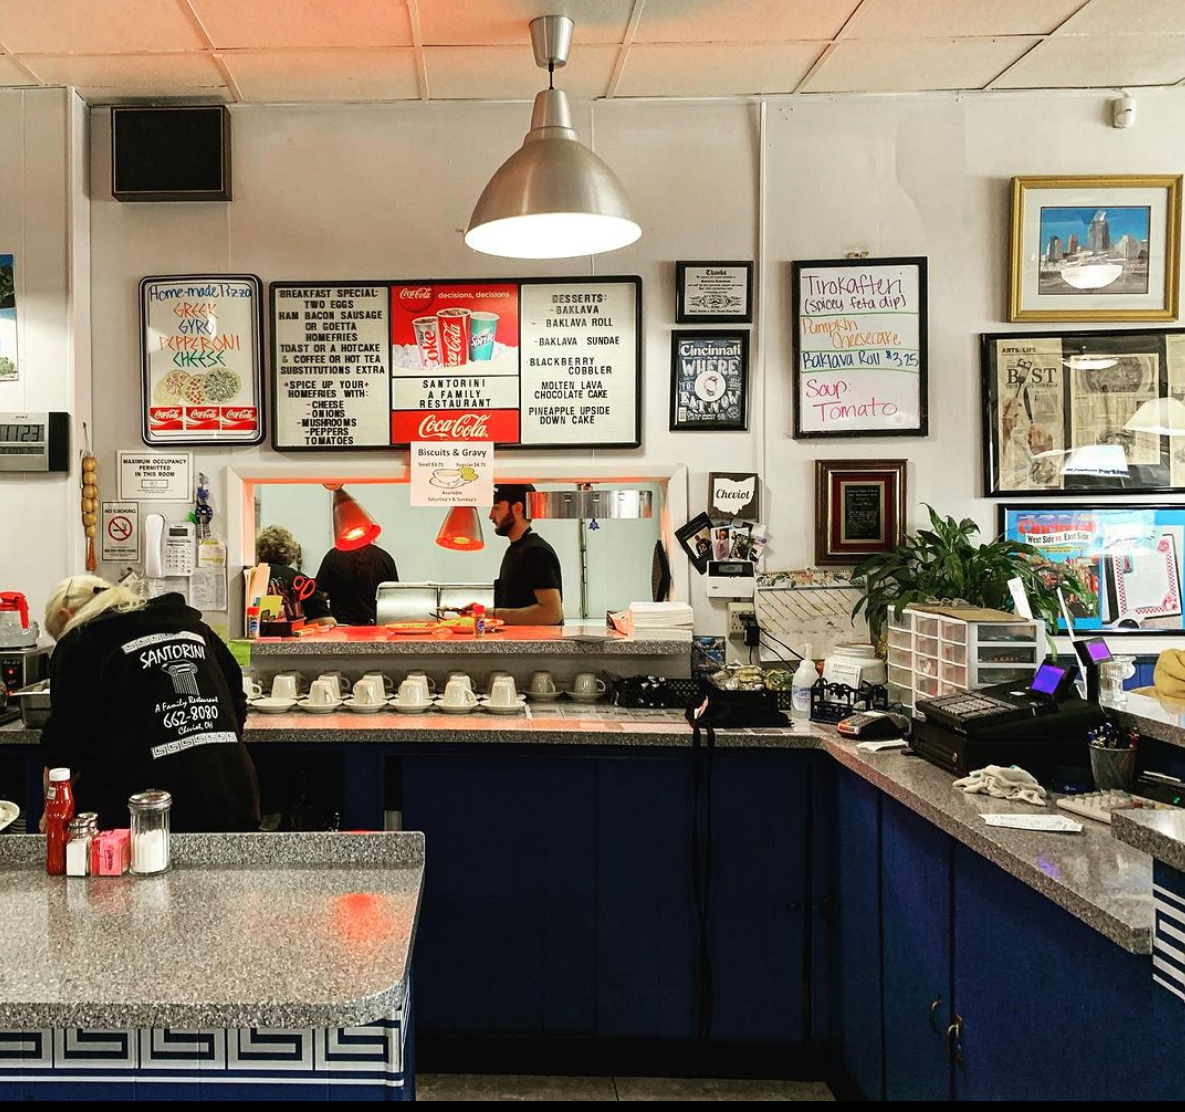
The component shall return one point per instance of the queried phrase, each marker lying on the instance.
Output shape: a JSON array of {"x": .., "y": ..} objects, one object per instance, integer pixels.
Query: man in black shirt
[
  {"x": 529, "y": 589},
  {"x": 351, "y": 581}
]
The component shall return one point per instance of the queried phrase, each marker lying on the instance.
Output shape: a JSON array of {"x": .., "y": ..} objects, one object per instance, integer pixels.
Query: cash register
[{"x": 1038, "y": 727}]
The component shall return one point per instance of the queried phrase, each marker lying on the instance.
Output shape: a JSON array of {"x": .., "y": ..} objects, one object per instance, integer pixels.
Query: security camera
[{"x": 1123, "y": 111}]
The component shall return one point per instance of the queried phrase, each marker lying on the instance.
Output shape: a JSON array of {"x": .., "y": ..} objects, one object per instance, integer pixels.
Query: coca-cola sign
[
  {"x": 464, "y": 426},
  {"x": 415, "y": 299},
  {"x": 165, "y": 418}
]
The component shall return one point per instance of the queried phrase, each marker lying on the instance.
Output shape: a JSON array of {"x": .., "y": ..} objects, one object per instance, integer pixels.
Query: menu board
[
  {"x": 860, "y": 347},
  {"x": 534, "y": 363},
  {"x": 201, "y": 359}
]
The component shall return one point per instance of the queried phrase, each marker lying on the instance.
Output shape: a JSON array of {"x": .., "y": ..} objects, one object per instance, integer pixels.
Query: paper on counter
[
  {"x": 1054, "y": 823},
  {"x": 886, "y": 743}
]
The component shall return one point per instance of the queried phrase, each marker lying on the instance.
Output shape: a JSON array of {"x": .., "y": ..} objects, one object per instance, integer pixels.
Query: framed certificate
[
  {"x": 859, "y": 509},
  {"x": 714, "y": 293}
]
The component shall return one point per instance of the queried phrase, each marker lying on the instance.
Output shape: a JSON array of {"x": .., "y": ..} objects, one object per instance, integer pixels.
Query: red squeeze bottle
[{"x": 59, "y": 810}]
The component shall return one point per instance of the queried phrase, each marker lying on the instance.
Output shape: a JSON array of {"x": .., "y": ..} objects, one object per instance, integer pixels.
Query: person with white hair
[{"x": 145, "y": 695}]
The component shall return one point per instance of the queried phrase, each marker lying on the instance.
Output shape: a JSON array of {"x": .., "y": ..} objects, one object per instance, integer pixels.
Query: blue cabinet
[{"x": 916, "y": 954}]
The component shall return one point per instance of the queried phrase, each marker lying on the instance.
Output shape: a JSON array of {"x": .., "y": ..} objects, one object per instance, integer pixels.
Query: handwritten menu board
[
  {"x": 860, "y": 347},
  {"x": 201, "y": 359},
  {"x": 546, "y": 363}
]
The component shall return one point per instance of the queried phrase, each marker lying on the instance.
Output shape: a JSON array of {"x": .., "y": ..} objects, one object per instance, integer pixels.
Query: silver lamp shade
[{"x": 553, "y": 198}]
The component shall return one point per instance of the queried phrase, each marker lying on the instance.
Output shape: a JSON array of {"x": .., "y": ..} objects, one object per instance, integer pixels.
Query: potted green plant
[{"x": 943, "y": 562}]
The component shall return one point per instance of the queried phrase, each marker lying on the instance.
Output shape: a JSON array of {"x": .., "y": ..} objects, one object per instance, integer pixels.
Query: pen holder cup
[{"x": 1112, "y": 768}]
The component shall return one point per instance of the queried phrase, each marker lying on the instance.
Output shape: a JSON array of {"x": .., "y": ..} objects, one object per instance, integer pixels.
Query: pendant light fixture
[
  {"x": 353, "y": 527},
  {"x": 553, "y": 198},
  {"x": 461, "y": 530}
]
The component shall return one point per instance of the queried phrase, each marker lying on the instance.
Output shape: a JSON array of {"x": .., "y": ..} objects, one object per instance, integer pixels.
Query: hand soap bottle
[{"x": 804, "y": 679}]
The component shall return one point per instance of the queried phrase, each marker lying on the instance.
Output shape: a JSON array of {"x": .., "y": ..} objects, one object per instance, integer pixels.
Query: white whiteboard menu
[
  {"x": 539, "y": 363},
  {"x": 201, "y": 359},
  {"x": 860, "y": 347}
]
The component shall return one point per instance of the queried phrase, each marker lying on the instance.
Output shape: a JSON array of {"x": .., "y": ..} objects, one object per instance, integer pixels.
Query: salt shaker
[
  {"x": 78, "y": 846},
  {"x": 150, "y": 831}
]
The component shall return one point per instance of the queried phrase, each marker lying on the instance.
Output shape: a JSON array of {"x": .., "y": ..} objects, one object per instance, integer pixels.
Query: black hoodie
[{"x": 152, "y": 698}]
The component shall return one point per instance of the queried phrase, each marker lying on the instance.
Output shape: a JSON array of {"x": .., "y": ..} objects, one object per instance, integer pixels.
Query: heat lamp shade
[
  {"x": 353, "y": 527},
  {"x": 553, "y": 198},
  {"x": 461, "y": 530}
]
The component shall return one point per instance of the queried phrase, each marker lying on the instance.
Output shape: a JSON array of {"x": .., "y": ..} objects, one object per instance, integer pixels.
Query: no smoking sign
[{"x": 121, "y": 531}]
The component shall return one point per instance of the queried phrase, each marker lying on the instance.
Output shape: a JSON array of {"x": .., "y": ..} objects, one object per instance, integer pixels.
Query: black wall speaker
[{"x": 170, "y": 154}]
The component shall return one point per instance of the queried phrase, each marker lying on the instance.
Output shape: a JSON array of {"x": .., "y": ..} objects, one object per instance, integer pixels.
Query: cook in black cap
[{"x": 529, "y": 589}]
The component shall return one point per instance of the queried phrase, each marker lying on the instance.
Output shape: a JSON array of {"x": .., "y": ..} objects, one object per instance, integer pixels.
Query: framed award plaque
[{"x": 859, "y": 508}]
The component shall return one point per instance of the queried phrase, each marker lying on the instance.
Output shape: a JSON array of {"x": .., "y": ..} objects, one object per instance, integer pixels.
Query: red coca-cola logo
[
  {"x": 415, "y": 299},
  {"x": 465, "y": 426},
  {"x": 203, "y": 413},
  {"x": 239, "y": 413},
  {"x": 165, "y": 413}
]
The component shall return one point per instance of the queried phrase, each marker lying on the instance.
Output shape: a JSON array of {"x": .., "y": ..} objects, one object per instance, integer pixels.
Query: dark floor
[{"x": 441, "y": 1086}]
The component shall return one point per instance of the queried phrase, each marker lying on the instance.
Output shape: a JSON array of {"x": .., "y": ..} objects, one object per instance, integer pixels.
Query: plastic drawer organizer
[{"x": 934, "y": 651}]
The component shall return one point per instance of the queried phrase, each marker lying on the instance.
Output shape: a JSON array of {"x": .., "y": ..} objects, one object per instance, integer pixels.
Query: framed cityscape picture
[
  {"x": 710, "y": 380},
  {"x": 714, "y": 293},
  {"x": 1095, "y": 248},
  {"x": 1080, "y": 412},
  {"x": 859, "y": 508}
]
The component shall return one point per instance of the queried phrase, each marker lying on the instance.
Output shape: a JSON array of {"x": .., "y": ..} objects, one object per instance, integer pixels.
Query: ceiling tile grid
[{"x": 385, "y": 50}]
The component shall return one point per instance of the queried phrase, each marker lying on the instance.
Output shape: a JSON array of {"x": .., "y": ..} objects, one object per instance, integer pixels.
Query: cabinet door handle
[
  {"x": 934, "y": 1006},
  {"x": 954, "y": 1041}
]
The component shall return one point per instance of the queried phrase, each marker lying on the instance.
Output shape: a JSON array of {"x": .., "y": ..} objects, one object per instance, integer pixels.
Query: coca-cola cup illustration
[
  {"x": 454, "y": 336},
  {"x": 428, "y": 338},
  {"x": 483, "y": 327}
]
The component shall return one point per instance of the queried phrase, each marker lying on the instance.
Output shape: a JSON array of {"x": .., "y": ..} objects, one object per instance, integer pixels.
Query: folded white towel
[{"x": 1003, "y": 783}]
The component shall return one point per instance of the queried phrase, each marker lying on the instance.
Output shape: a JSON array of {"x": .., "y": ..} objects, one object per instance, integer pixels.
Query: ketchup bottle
[{"x": 59, "y": 810}]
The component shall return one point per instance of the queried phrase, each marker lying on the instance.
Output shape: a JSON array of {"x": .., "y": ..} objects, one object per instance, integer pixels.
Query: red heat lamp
[
  {"x": 353, "y": 527},
  {"x": 461, "y": 530}
]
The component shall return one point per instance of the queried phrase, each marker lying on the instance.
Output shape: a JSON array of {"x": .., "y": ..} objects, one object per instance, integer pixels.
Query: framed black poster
[
  {"x": 201, "y": 359},
  {"x": 549, "y": 363},
  {"x": 710, "y": 380},
  {"x": 714, "y": 293},
  {"x": 1078, "y": 412},
  {"x": 860, "y": 364}
]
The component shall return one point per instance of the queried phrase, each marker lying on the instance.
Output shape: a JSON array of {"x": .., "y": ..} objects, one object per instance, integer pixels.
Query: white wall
[
  {"x": 45, "y": 223},
  {"x": 385, "y": 191}
]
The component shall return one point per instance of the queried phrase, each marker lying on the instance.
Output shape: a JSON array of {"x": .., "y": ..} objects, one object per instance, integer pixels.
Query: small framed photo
[
  {"x": 859, "y": 508},
  {"x": 696, "y": 540},
  {"x": 710, "y": 380},
  {"x": 714, "y": 293},
  {"x": 1095, "y": 248}
]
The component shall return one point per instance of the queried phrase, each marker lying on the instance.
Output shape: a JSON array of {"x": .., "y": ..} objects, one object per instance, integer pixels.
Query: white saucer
[
  {"x": 543, "y": 696},
  {"x": 418, "y": 708},
  {"x": 517, "y": 707},
  {"x": 586, "y": 696},
  {"x": 319, "y": 708},
  {"x": 363, "y": 708},
  {"x": 464, "y": 708},
  {"x": 270, "y": 705},
  {"x": 9, "y": 813}
]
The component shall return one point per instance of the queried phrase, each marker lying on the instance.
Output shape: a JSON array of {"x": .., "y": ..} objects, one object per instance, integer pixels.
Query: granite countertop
[
  {"x": 376, "y": 641},
  {"x": 246, "y": 930},
  {"x": 1163, "y": 719},
  {"x": 1097, "y": 879},
  {"x": 1161, "y": 834}
]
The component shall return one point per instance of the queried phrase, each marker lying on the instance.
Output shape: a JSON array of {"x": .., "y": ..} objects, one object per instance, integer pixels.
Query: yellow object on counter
[
  {"x": 271, "y": 606},
  {"x": 1169, "y": 677}
]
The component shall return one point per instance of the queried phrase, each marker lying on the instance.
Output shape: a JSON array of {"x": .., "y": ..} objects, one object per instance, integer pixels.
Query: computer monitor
[
  {"x": 1092, "y": 651},
  {"x": 1053, "y": 681}
]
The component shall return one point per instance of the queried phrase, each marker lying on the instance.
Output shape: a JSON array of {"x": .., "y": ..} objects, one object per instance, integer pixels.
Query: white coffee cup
[
  {"x": 456, "y": 694},
  {"x": 324, "y": 693},
  {"x": 494, "y": 678},
  {"x": 251, "y": 689},
  {"x": 461, "y": 677},
  {"x": 285, "y": 685},
  {"x": 542, "y": 683},
  {"x": 368, "y": 692},
  {"x": 503, "y": 692},
  {"x": 413, "y": 691},
  {"x": 336, "y": 680},
  {"x": 585, "y": 683},
  {"x": 429, "y": 682},
  {"x": 382, "y": 679}
]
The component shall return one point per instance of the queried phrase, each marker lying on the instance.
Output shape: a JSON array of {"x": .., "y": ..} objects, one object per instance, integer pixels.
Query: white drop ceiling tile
[
  {"x": 1092, "y": 61},
  {"x": 913, "y": 19},
  {"x": 96, "y": 26},
  {"x": 510, "y": 73},
  {"x": 149, "y": 72},
  {"x": 742, "y": 20},
  {"x": 316, "y": 24},
  {"x": 504, "y": 22},
  {"x": 323, "y": 75},
  {"x": 715, "y": 70},
  {"x": 1126, "y": 17},
  {"x": 880, "y": 67},
  {"x": 12, "y": 74}
]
